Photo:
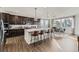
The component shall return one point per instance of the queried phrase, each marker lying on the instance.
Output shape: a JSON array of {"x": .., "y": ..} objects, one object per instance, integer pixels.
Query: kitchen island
[{"x": 28, "y": 37}]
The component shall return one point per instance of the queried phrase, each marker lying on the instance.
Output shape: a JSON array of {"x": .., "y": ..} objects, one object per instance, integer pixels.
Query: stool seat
[
  {"x": 51, "y": 30},
  {"x": 35, "y": 35},
  {"x": 48, "y": 31},
  {"x": 41, "y": 32}
]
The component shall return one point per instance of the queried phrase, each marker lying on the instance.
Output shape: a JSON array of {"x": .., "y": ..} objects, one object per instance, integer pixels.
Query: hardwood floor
[{"x": 60, "y": 43}]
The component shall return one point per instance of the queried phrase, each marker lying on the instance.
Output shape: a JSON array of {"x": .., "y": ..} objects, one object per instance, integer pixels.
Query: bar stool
[
  {"x": 48, "y": 31},
  {"x": 35, "y": 35},
  {"x": 41, "y": 34},
  {"x": 54, "y": 30},
  {"x": 51, "y": 33}
]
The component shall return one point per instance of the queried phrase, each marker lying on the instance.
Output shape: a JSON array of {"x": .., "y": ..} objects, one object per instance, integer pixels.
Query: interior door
[{"x": 1, "y": 35}]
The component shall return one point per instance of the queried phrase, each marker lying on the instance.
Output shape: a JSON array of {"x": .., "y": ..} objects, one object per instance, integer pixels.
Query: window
[
  {"x": 68, "y": 22},
  {"x": 64, "y": 22},
  {"x": 57, "y": 23},
  {"x": 44, "y": 23}
]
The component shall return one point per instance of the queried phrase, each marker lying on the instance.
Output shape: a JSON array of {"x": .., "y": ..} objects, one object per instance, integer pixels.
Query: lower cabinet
[{"x": 15, "y": 32}]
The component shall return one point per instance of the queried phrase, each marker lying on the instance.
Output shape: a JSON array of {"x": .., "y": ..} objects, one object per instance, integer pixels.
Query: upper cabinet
[
  {"x": 21, "y": 20},
  {"x": 12, "y": 19},
  {"x": 5, "y": 17},
  {"x": 15, "y": 19}
]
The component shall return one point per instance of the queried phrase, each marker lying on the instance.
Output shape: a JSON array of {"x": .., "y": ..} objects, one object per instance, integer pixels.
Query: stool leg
[
  {"x": 31, "y": 39},
  {"x": 45, "y": 36},
  {"x": 34, "y": 40},
  {"x": 39, "y": 37},
  {"x": 51, "y": 35},
  {"x": 48, "y": 35}
]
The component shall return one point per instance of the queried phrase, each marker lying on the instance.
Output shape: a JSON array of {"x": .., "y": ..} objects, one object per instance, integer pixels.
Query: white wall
[{"x": 77, "y": 24}]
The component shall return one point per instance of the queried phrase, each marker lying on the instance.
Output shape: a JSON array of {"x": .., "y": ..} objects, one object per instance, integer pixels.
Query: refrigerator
[{"x": 2, "y": 33}]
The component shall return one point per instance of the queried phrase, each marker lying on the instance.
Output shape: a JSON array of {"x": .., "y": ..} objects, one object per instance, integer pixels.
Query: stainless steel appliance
[{"x": 2, "y": 32}]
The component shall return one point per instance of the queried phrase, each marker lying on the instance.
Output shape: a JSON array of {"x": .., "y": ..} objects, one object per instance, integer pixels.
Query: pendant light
[
  {"x": 35, "y": 19},
  {"x": 48, "y": 17}
]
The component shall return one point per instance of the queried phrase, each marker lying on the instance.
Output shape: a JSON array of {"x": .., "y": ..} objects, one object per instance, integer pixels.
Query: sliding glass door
[
  {"x": 68, "y": 24},
  {"x": 64, "y": 23}
]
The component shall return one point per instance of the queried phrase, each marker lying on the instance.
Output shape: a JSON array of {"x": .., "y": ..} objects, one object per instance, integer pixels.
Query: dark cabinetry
[
  {"x": 16, "y": 20},
  {"x": 20, "y": 20},
  {"x": 12, "y": 19},
  {"x": 8, "y": 18},
  {"x": 15, "y": 32},
  {"x": 5, "y": 17}
]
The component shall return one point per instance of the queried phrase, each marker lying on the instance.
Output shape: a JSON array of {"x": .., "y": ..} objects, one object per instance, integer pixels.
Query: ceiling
[{"x": 53, "y": 12}]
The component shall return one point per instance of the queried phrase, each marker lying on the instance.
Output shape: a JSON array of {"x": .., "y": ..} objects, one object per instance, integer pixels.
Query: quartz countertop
[
  {"x": 22, "y": 26},
  {"x": 36, "y": 29}
]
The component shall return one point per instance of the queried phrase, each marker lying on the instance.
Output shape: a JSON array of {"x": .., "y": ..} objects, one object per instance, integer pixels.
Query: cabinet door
[
  {"x": 22, "y": 20},
  {"x": 19, "y": 20},
  {"x": 5, "y": 17},
  {"x": 12, "y": 19}
]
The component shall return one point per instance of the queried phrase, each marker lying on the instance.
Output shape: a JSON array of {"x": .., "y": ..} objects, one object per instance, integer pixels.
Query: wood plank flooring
[{"x": 61, "y": 43}]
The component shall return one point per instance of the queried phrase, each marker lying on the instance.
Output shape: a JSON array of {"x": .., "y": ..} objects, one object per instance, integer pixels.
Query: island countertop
[{"x": 36, "y": 29}]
